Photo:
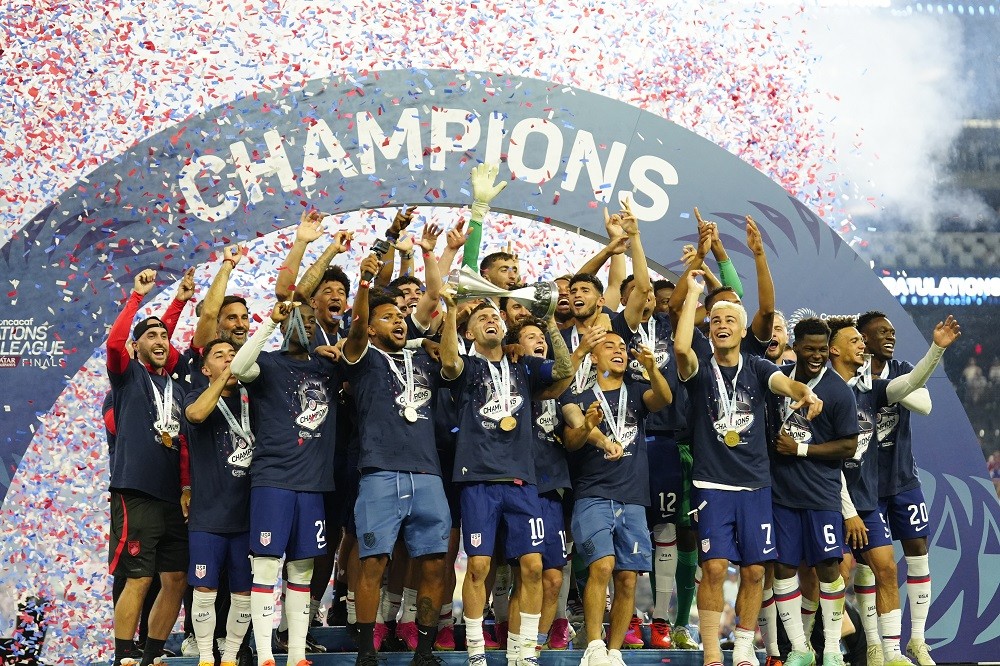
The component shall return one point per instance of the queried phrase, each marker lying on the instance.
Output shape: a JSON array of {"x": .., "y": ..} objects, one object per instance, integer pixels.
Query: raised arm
[
  {"x": 945, "y": 333},
  {"x": 452, "y": 363},
  {"x": 484, "y": 190},
  {"x": 430, "y": 300},
  {"x": 118, "y": 357},
  {"x": 208, "y": 321},
  {"x": 764, "y": 318},
  {"x": 307, "y": 285},
  {"x": 687, "y": 360},
  {"x": 202, "y": 407},
  {"x": 642, "y": 287},
  {"x": 659, "y": 394},
  {"x": 310, "y": 228},
  {"x": 400, "y": 221},
  {"x": 797, "y": 391},
  {"x": 704, "y": 244},
  {"x": 244, "y": 364},
  {"x": 357, "y": 337},
  {"x": 727, "y": 272},
  {"x": 615, "y": 251}
]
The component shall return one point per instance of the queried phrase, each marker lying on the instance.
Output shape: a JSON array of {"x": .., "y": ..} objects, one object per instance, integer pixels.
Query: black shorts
[{"x": 148, "y": 536}]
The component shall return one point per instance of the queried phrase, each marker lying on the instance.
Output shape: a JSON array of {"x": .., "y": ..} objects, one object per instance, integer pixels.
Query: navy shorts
[
  {"x": 391, "y": 501},
  {"x": 807, "y": 535},
  {"x": 666, "y": 482},
  {"x": 556, "y": 553},
  {"x": 287, "y": 522},
  {"x": 484, "y": 505},
  {"x": 603, "y": 527},
  {"x": 735, "y": 525},
  {"x": 906, "y": 514},
  {"x": 878, "y": 533},
  {"x": 212, "y": 553}
]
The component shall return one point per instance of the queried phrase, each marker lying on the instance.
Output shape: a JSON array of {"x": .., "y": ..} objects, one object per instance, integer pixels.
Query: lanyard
[
  {"x": 296, "y": 327},
  {"x": 241, "y": 429},
  {"x": 727, "y": 402},
  {"x": 407, "y": 379},
  {"x": 583, "y": 372},
  {"x": 616, "y": 425},
  {"x": 788, "y": 411},
  {"x": 647, "y": 336},
  {"x": 164, "y": 408},
  {"x": 501, "y": 383}
]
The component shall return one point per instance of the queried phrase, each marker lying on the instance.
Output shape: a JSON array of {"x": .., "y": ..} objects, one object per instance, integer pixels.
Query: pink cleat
[
  {"x": 446, "y": 638},
  {"x": 381, "y": 633},
  {"x": 559, "y": 634},
  {"x": 407, "y": 633}
]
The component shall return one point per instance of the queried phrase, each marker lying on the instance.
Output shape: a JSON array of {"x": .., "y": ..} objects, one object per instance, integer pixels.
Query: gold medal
[
  {"x": 167, "y": 440},
  {"x": 410, "y": 414},
  {"x": 508, "y": 423},
  {"x": 732, "y": 438}
]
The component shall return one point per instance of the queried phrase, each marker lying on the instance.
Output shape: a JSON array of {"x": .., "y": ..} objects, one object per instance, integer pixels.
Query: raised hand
[
  {"x": 144, "y": 281},
  {"x": 370, "y": 265},
  {"x": 342, "y": 240},
  {"x": 613, "y": 225},
  {"x": 448, "y": 296},
  {"x": 594, "y": 336},
  {"x": 689, "y": 255},
  {"x": 594, "y": 416},
  {"x": 483, "y": 180},
  {"x": 185, "y": 290},
  {"x": 456, "y": 237},
  {"x": 233, "y": 253},
  {"x": 405, "y": 243},
  {"x": 693, "y": 285},
  {"x": 310, "y": 226},
  {"x": 946, "y": 332},
  {"x": 814, "y": 403},
  {"x": 629, "y": 222},
  {"x": 281, "y": 311},
  {"x": 645, "y": 357},
  {"x": 428, "y": 240},
  {"x": 754, "y": 240},
  {"x": 402, "y": 220}
]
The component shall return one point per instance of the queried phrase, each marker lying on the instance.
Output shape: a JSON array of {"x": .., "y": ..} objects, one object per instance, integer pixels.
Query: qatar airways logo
[{"x": 535, "y": 150}]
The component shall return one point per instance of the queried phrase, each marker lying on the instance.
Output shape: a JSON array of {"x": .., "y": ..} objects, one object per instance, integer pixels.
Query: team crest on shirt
[
  {"x": 200, "y": 570},
  {"x": 885, "y": 424},
  {"x": 133, "y": 548},
  {"x": 315, "y": 405},
  {"x": 797, "y": 427},
  {"x": 476, "y": 539},
  {"x": 265, "y": 538}
]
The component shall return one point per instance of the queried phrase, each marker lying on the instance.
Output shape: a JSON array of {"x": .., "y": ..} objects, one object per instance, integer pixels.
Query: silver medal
[{"x": 410, "y": 414}]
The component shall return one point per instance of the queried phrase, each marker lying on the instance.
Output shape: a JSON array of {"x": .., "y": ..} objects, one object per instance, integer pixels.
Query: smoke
[{"x": 897, "y": 93}]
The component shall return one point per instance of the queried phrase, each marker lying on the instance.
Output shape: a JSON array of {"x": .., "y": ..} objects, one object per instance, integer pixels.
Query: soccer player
[
  {"x": 901, "y": 500},
  {"x": 872, "y": 541},
  {"x": 805, "y": 490},
  {"x": 731, "y": 475},
  {"x": 778, "y": 345},
  {"x": 494, "y": 459},
  {"x": 148, "y": 534},
  {"x": 401, "y": 487},
  {"x": 605, "y": 428},
  {"x": 292, "y": 393},
  {"x": 220, "y": 446}
]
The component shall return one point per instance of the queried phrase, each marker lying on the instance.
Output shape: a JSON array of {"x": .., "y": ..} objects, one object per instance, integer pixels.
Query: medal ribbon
[
  {"x": 583, "y": 371},
  {"x": 164, "y": 408},
  {"x": 616, "y": 425},
  {"x": 787, "y": 410},
  {"x": 241, "y": 429},
  {"x": 407, "y": 380},
  {"x": 501, "y": 383},
  {"x": 727, "y": 402}
]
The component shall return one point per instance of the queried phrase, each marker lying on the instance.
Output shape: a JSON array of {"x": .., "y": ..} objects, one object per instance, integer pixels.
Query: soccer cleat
[
  {"x": 659, "y": 635},
  {"x": 426, "y": 660},
  {"x": 313, "y": 646},
  {"x": 559, "y": 634},
  {"x": 304, "y": 662},
  {"x": 381, "y": 631},
  {"x": 206, "y": 663},
  {"x": 367, "y": 659},
  {"x": 874, "y": 655},
  {"x": 226, "y": 663},
  {"x": 596, "y": 655},
  {"x": 406, "y": 632},
  {"x": 833, "y": 659},
  {"x": 799, "y": 658},
  {"x": 189, "y": 648},
  {"x": 633, "y": 637},
  {"x": 681, "y": 639},
  {"x": 269, "y": 662},
  {"x": 920, "y": 652},
  {"x": 574, "y": 610},
  {"x": 502, "y": 629},
  {"x": 446, "y": 638},
  {"x": 773, "y": 661},
  {"x": 279, "y": 643},
  {"x": 477, "y": 660},
  {"x": 898, "y": 659}
]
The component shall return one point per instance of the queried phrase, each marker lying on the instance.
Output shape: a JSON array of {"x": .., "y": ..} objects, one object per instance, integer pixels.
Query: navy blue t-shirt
[
  {"x": 484, "y": 452},
  {"x": 551, "y": 467},
  {"x": 295, "y": 421},
  {"x": 388, "y": 441},
  {"x": 812, "y": 483},
  {"x": 220, "y": 466},
  {"x": 746, "y": 464},
  {"x": 897, "y": 468},
  {"x": 624, "y": 480},
  {"x": 618, "y": 324},
  {"x": 861, "y": 471},
  {"x": 751, "y": 345},
  {"x": 141, "y": 461},
  {"x": 189, "y": 372}
]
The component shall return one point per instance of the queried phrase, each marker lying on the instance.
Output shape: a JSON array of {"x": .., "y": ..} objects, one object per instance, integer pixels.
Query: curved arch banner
[{"x": 409, "y": 137}]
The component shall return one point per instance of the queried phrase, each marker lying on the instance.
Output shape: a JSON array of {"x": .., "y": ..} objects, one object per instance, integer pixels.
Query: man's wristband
[
  {"x": 406, "y": 255},
  {"x": 803, "y": 450},
  {"x": 185, "y": 489},
  {"x": 231, "y": 261},
  {"x": 426, "y": 253}
]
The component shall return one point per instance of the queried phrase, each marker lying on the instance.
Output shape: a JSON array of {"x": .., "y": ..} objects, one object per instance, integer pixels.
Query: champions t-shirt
[
  {"x": 220, "y": 469},
  {"x": 295, "y": 421},
  {"x": 812, "y": 483},
  {"x": 586, "y": 374},
  {"x": 897, "y": 468},
  {"x": 551, "y": 468},
  {"x": 745, "y": 464},
  {"x": 388, "y": 441},
  {"x": 485, "y": 452},
  {"x": 624, "y": 480},
  {"x": 861, "y": 471}
]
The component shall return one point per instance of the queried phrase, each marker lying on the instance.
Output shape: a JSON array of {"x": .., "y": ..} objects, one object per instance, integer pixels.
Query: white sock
[
  {"x": 664, "y": 567},
  {"x": 203, "y": 621},
  {"x": 890, "y": 625},
  {"x": 382, "y": 603},
  {"x": 501, "y": 593},
  {"x": 767, "y": 619},
  {"x": 474, "y": 635},
  {"x": 809, "y": 608},
  {"x": 831, "y": 603},
  {"x": 352, "y": 614},
  {"x": 564, "y": 591},
  {"x": 446, "y": 618},
  {"x": 918, "y": 592},
  {"x": 265, "y": 573},
  {"x": 313, "y": 608},
  {"x": 528, "y": 635},
  {"x": 388, "y": 605},
  {"x": 297, "y": 603},
  {"x": 788, "y": 600},
  {"x": 283, "y": 621},
  {"x": 743, "y": 651},
  {"x": 237, "y": 625},
  {"x": 409, "y": 606},
  {"x": 864, "y": 593}
]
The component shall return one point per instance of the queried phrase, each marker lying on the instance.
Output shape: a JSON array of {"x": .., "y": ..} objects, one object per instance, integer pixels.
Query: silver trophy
[{"x": 540, "y": 298}]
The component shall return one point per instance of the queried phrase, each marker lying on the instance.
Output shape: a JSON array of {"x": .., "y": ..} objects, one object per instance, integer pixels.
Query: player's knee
[
  {"x": 714, "y": 571},
  {"x": 478, "y": 568},
  {"x": 173, "y": 580},
  {"x": 265, "y": 570},
  {"x": 551, "y": 582},
  {"x": 300, "y": 571},
  {"x": 752, "y": 575},
  {"x": 625, "y": 583},
  {"x": 531, "y": 568},
  {"x": 603, "y": 568}
]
